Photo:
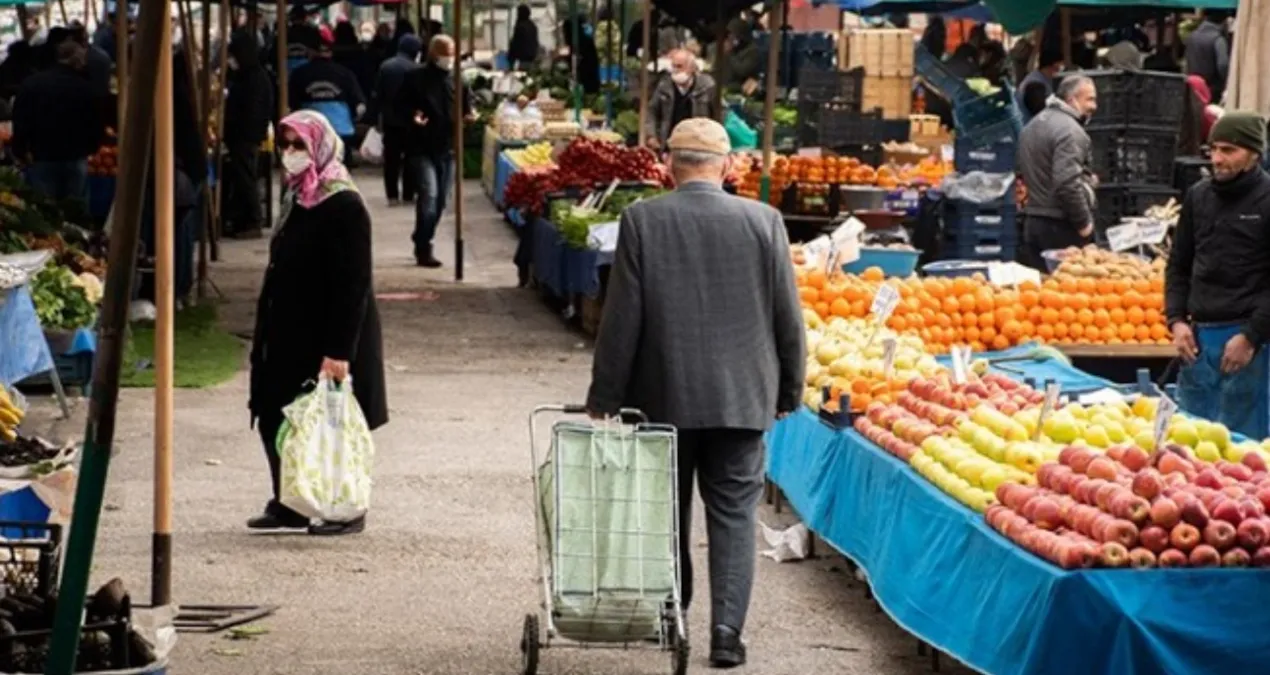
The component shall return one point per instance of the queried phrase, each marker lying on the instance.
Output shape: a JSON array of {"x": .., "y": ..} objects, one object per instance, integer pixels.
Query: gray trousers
[{"x": 728, "y": 466}]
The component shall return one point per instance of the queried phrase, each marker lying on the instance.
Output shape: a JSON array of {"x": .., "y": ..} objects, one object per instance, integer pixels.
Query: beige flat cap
[{"x": 700, "y": 134}]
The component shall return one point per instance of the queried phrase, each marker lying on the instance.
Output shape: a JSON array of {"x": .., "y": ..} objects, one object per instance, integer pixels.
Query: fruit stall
[{"x": 1070, "y": 524}]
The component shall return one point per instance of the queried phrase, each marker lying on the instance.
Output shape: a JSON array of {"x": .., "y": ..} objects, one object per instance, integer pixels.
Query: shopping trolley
[{"x": 606, "y": 506}]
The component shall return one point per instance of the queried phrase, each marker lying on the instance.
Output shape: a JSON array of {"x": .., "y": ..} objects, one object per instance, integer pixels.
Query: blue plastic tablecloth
[
  {"x": 565, "y": 270},
  {"x": 945, "y": 576},
  {"x": 1071, "y": 379},
  {"x": 23, "y": 350},
  {"x": 85, "y": 342},
  {"x": 504, "y": 168}
]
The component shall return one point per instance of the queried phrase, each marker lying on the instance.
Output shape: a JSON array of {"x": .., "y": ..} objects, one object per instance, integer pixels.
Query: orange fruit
[
  {"x": 1151, "y": 317},
  {"x": 1011, "y": 330},
  {"x": 1101, "y": 318},
  {"x": 853, "y": 293},
  {"x": 1117, "y": 315},
  {"x": 971, "y": 334},
  {"x": 944, "y": 320},
  {"x": 1049, "y": 316},
  {"x": 984, "y": 301},
  {"x": 953, "y": 335},
  {"x": 1157, "y": 284},
  {"x": 859, "y": 386},
  {"x": 1120, "y": 286},
  {"x": 1078, "y": 301},
  {"x": 1153, "y": 301},
  {"x": 860, "y": 401},
  {"x": 1142, "y": 333},
  {"x": 1000, "y": 343},
  {"x": 987, "y": 319},
  {"x": 1132, "y": 298},
  {"x": 951, "y": 305},
  {"x": 1085, "y": 317},
  {"x": 1076, "y": 331},
  {"x": 967, "y": 301},
  {"x": 1113, "y": 301},
  {"x": 1051, "y": 299},
  {"x": 821, "y": 308},
  {"x": 897, "y": 324},
  {"x": 1106, "y": 286},
  {"x": 933, "y": 334},
  {"x": 1029, "y": 329},
  {"x": 1108, "y": 333},
  {"x": 1127, "y": 332},
  {"x": 1098, "y": 302},
  {"x": 1029, "y": 298},
  {"x": 986, "y": 334},
  {"x": 1067, "y": 315},
  {"x": 1136, "y": 316},
  {"x": 858, "y": 308},
  {"x": 1159, "y": 332},
  {"x": 1004, "y": 314},
  {"x": 978, "y": 346},
  {"x": 1068, "y": 286},
  {"x": 840, "y": 307},
  {"x": 1045, "y": 332},
  {"x": 1034, "y": 315},
  {"x": 935, "y": 287},
  {"x": 1060, "y": 330},
  {"x": 808, "y": 294},
  {"x": 816, "y": 279},
  {"x": 872, "y": 274},
  {"x": 1086, "y": 286}
]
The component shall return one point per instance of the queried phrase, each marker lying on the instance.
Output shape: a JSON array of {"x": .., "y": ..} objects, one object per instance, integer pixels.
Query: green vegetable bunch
[
  {"x": 574, "y": 222},
  {"x": 60, "y": 303}
]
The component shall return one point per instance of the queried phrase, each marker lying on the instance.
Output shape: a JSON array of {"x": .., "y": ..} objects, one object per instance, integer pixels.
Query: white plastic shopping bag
[
  {"x": 373, "y": 146},
  {"x": 326, "y": 453}
]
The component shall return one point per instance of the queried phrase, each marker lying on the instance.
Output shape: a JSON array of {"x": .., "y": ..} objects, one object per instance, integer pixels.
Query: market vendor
[
  {"x": 683, "y": 94},
  {"x": 745, "y": 62},
  {"x": 1217, "y": 284}
]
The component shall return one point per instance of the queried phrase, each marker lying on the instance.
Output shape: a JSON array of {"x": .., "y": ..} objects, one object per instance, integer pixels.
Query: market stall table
[
  {"x": 941, "y": 573},
  {"x": 492, "y": 148},
  {"x": 1119, "y": 363},
  {"x": 562, "y": 269},
  {"x": 503, "y": 170}
]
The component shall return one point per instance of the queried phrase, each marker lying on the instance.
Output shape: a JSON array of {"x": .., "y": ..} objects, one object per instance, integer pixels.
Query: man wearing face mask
[
  {"x": 1054, "y": 160},
  {"x": 684, "y": 94},
  {"x": 1217, "y": 283},
  {"x": 428, "y": 94},
  {"x": 57, "y": 124}
]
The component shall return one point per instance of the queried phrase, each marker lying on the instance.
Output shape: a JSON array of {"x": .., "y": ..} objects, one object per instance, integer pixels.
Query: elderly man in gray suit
[{"x": 702, "y": 329}]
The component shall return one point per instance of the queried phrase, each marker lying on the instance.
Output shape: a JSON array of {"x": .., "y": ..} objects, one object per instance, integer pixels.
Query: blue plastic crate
[
  {"x": 893, "y": 262},
  {"x": 983, "y": 251},
  {"x": 997, "y": 114},
  {"x": 989, "y": 156},
  {"x": 955, "y": 268},
  {"x": 939, "y": 78}
]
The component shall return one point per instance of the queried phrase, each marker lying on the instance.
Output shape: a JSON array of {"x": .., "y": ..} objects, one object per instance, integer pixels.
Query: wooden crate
[
  {"x": 925, "y": 125},
  {"x": 894, "y": 95},
  {"x": 882, "y": 52}
]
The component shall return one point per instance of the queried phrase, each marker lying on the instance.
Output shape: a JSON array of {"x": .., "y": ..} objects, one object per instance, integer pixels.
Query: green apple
[
  {"x": 972, "y": 469},
  {"x": 1097, "y": 436},
  {"x": 1116, "y": 432},
  {"x": 1144, "y": 440},
  {"x": 1207, "y": 451},
  {"x": 1215, "y": 433},
  {"x": 992, "y": 477},
  {"x": 1076, "y": 410},
  {"x": 1061, "y": 426},
  {"x": 1184, "y": 433}
]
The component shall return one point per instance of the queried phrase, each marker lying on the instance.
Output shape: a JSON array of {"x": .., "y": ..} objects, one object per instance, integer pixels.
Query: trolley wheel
[{"x": 529, "y": 646}]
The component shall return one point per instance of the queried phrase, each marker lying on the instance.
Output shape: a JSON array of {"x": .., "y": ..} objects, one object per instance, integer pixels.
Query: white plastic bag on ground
[
  {"x": 326, "y": 452},
  {"x": 373, "y": 146},
  {"x": 788, "y": 544}
]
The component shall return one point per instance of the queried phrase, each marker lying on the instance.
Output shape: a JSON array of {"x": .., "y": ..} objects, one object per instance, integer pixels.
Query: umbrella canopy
[
  {"x": 1248, "y": 85},
  {"x": 1019, "y": 17}
]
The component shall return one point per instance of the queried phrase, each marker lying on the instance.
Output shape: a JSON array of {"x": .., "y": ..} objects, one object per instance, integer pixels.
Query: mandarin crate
[
  {"x": 882, "y": 52},
  {"x": 894, "y": 95}
]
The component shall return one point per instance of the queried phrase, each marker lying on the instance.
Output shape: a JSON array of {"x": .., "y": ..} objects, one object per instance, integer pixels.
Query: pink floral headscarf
[{"x": 327, "y": 175}]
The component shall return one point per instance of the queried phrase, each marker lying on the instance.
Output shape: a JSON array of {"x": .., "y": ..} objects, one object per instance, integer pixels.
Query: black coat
[
  {"x": 318, "y": 301},
  {"x": 388, "y": 108},
  {"x": 249, "y": 107},
  {"x": 523, "y": 51},
  {"x": 56, "y": 117},
  {"x": 430, "y": 91}
]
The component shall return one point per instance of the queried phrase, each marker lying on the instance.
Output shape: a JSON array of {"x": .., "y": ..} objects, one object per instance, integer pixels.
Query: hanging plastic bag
[
  {"x": 977, "y": 186},
  {"x": 743, "y": 137},
  {"x": 326, "y": 452},
  {"x": 373, "y": 146}
]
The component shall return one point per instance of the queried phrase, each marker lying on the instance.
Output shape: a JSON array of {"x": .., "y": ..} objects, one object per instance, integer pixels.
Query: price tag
[
  {"x": 947, "y": 153},
  {"x": 1163, "y": 414},
  {"x": 959, "y": 364},
  {"x": 1047, "y": 406},
  {"x": 813, "y": 153},
  {"x": 817, "y": 250},
  {"x": 607, "y": 193},
  {"x": 1153, "y": 231},
  {"x": 888, "y": 357},
  {"x": 884, "y": 302},
  {"x": 1124, "y": 237},
  {"x": 1011, "y": 274}
]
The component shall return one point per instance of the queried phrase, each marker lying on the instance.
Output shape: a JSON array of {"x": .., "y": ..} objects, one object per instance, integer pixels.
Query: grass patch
[{"x": 206, "y": 354}]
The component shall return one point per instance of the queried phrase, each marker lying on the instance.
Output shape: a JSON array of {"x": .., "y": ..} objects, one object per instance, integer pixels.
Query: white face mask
[
  {"x": 295, "y": 162},
  {"x": 681, "y": 78},
  {"x": 445, "y": 62}
]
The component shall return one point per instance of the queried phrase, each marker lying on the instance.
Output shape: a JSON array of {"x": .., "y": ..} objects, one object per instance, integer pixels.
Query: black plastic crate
[
  {"x": 989, "y": 156},
  {"x": 980, "y": 251},
  {"x": 939, "y": 79},
  {"x": 1189, "y": 170},
  {"x": 31, "y": 553},
  {"x": 820, "y": 86},
  {"x": 104, "y": 645},
  {"x": 830, "y": 123},
  {"x": 989, "y": 116},
  {"x": 1120, "y": 201},
  {"x": 1143, "y": 98},
  {"x": 1133, "y": 155}
]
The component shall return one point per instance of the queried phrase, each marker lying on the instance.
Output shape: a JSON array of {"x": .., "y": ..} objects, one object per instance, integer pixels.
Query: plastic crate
[
  {"x": 1119, "y": 201},
  {"x": 1189, "y": 170},
  {"x": 1144, "y": 98},
  {"x": 31, "y": 556},
  {"x": 834, "y": 123},
  {"x": 1133, "y": 155},
  {"x": 995, "y": 156},
  {"x": 983, "y": 251},
  {"x": 27, "y": 651},
  {"x": 970, "y": 223},
  {"x": 820, "y": 86},
  {"x": 74, "y": 370},
  {"x": 937, "y": 77},
  {"x": 893, "y": 262},
  {"x": 989, "y": 116}
]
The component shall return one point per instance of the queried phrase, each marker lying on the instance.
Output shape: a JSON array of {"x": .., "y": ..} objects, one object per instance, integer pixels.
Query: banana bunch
[
  {"x": 538, "y": 154},
  {"x": 10, "y": 417}
]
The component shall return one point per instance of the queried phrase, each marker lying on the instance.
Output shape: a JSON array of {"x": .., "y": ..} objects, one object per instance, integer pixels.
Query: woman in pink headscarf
[{"x": 316, "y": 313}]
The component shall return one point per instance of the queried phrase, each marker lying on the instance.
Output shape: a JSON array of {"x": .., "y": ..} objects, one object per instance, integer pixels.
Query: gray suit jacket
[{"x": 702, "y": 327}]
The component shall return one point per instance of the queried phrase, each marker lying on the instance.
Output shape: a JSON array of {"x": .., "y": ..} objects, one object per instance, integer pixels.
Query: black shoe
[
  {"x": 393, "y": 202},
  {"x": 425, "y": 259},
  {"x": 248, "y": 234},
  {"x": 278, "y": 517},
  {"x": 337, "y": 529},
  {"x": 726, "y": 648}
]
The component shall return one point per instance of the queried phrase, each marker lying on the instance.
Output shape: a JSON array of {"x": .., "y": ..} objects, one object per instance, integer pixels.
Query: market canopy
[{"x": 1019, "y": 17}]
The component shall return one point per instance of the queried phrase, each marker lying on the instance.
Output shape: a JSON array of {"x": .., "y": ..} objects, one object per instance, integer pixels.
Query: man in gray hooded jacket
[{"x": 1054, "y": 160}]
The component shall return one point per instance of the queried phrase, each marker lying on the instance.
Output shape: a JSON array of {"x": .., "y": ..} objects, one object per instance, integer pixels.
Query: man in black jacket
[
  {"x": 57, "y": 125},
  {"x": 393, "y": 119},
  {"x": 1217, "y": 284},
  {"x": 1208, "y": 52},
  {"x": 428, "y": 93},
  {"x": 248, "y": 110},
  {"x": 325, "y": 86}
]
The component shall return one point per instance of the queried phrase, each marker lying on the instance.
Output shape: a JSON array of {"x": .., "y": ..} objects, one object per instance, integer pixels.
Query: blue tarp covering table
[
  {"x": 1071, "y": 379},
  {"x": 565, "y": 270},
  {"x": 504, "y": 168},
  {"x": 945, "y": 576},
  {"x": 23, "y": 349}
]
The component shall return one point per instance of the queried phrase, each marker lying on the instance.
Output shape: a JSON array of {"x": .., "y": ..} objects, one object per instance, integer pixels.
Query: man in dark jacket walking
[
  {"x": 249, "y": 108},
  {"x": 1217, "y": 283},
  {"x": 57, "y": 125},
  {"x": 324, "y": 86},
  {"x": 1054, "y": 160},
  {"x": 428, "y": 93},
  {"x": 394, "y": 120},
  {"x": 1208, "y": 52},
  {"x": 523, "y": 51}
]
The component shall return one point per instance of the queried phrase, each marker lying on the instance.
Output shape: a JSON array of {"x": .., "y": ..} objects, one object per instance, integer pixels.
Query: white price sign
[
  {"x": 1052, "y": 391},
  {"x": 1153, "y": 232},
  {"x": 818, "y": 251},
  {"x": 1011, "y": 274},
  {"x": 1163, "y": 414},
  {"x": 884, "y": 302},
  {"x": 1124, "y": 237},
  {"x": 959, "y": 362},
  {"x": 888, "y": 357}
]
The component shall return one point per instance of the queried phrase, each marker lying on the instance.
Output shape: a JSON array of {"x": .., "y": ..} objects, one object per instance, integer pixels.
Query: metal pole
[
  {"x": 576, "y": 29},
  {"x": 205, "y": 232},
  {"x": 121, "y": 73},
  {"x": 223, "y": 69},
  {"x": 100, "y": 428},
  {"x": 458, "y": 150},
  {"x": 61, "y": 4},
  {"x": 769, "y": 95},
  {"x": 471, "y": 29},
  {"x": 621, "y": 37},
  {"x": 164, "y": 302},
  {"x": 643, "y": 74}
]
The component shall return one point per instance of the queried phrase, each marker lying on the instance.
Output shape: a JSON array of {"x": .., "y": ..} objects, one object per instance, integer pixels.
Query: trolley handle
[{"x": 580, "y": 409}]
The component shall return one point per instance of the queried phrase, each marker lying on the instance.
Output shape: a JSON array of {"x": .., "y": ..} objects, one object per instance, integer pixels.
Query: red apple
[
  {"x": 1184, "y": 537},
  {"x": 1121, "y": 531},
  {"x": 1113, "y": 555},
  {"x": 1263, "y": 496},
  {"x": 1250, "y": 507},
  {"x": 1234, "y": 492},
  {"x": 1154, "y": 539},
  {"x": 1116, "y": 452},
  {"x": 1209, "y": 478},
  {"x": 1045, "y": 514},
  {"x": 1261, "y": 558},
  {"x": 1227, "y": 510},
  {"x": 1165, "y": 513},
  {"x": 1219, "y": 534},
  {"x": 1130, "y": 507},
  {"x": 1104, "y": 495},
  {"x": 1253, "y": 534},
  {"x": 1236, "y": 557},
  {"x": 1194, "y": 513},
  {"x": 1080, "y": 459},
  {"x": 1256, "y": 462},
  {"x": 1237, "y": 471},
  {"x": 1148, "y": 484},
  {"x": 1135, "y": 459},
  {"x": 1141, "y": 558},
  {"x": 1172, "y": 463},
  {"x": 1204, "y": 556},
  {"x": 1101, "y": 467},
  {"x": 1172, "y": 558}
]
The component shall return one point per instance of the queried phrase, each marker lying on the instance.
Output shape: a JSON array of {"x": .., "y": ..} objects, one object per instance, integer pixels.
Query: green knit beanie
[{"x": 1241, "y": 128}]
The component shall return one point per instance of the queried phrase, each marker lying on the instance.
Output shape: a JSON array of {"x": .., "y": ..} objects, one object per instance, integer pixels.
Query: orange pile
[
  {"x": 970, "y": 311},
  {"x": 787, "y": 171}
]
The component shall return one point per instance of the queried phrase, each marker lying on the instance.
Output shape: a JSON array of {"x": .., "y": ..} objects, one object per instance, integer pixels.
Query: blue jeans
[
  {"x": 1240, "y": 400},
  {"x": 62, "y": 179},
  {"x": 433, "y": 175}
]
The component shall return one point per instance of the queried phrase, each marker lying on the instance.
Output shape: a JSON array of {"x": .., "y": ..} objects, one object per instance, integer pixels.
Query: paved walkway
[{"x": 442, "y": 578}]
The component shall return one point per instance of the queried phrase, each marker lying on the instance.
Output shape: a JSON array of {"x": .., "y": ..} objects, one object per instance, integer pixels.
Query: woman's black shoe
[
  {"x": 278, "y": 517},
  {"x": 336, "y": 529}
]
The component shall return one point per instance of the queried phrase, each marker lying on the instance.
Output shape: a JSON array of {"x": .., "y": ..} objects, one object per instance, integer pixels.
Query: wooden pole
[
  {"x": 121, "y": 68},
  {"x": 459, "y": 121},
  {"x": 774, "y": 23},
  {"x": 61, "y": 4},
  {"x": 1065, "y": 25},
  {"x": 643, "y": 74},
  {"x": 99, "y": 432},
  {"x": 205, "y": 84},
  {"x": 165, "y": 306},
  {"x": 283, "y": 107},
  {"x": 471, "y": 31},
  {"x": 221, "y": 82}
]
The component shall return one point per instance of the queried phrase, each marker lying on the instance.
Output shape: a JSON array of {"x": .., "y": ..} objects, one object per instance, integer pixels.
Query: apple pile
[{"x": 1128, "y": 508}]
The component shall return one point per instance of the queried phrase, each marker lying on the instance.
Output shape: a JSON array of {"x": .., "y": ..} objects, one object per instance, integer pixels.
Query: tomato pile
[{"x": 584, "y": 164}]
